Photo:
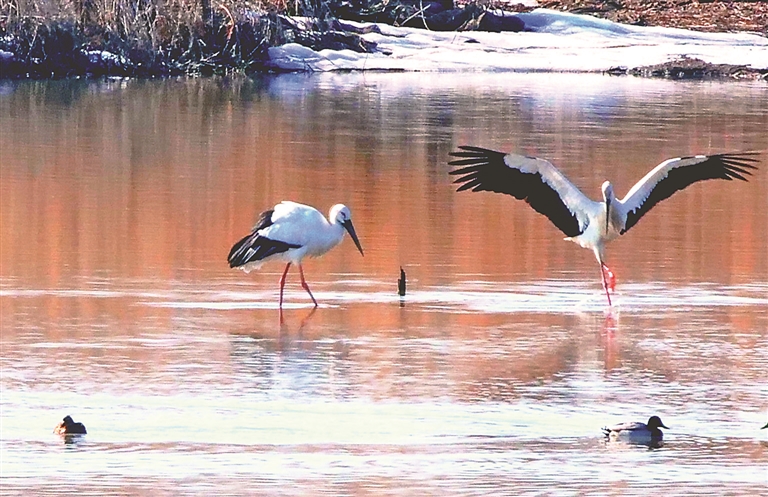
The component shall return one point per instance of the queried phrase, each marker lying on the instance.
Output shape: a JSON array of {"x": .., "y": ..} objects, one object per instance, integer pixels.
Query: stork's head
[
  {"x": 608, "y": 197},
  {"x": 607, "y": 191},
  {"x": 340, "y": 214}
]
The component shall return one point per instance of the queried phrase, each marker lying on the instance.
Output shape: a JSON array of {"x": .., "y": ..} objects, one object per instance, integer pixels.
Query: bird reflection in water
[
  {"x": 611, "y": 355},
  {"x": 302, "y": 324},
  {"x": 628, "y": 444}
]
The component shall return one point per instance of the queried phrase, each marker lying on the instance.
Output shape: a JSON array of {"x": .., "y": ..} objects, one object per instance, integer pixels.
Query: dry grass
[
  {"x": 57, "y": 38},
  {"x": 146, "y": 23},
  {"x": 156, "y": 36}
]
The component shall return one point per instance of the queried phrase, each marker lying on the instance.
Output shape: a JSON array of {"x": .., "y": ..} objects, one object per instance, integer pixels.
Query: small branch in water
[{"x": 401, "y": 283}]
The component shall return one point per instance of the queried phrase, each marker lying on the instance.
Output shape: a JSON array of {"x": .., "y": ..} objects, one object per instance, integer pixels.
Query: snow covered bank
[{"x": 553, "y": 41}]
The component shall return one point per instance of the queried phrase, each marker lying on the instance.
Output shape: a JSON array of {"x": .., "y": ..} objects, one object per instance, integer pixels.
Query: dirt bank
[{"x": 750, "y": 16}]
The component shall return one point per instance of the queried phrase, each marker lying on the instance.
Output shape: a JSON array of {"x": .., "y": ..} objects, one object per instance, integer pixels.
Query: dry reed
[{"x": 147, "y": 37}]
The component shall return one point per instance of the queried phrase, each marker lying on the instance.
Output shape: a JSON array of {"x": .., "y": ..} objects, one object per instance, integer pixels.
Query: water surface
[{"x": 121, "y": 199}]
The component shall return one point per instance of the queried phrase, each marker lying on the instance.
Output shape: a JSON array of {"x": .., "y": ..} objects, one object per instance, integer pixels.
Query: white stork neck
[
  {"x": 330, "y": 236},
  {"x": 608, "y": 194}
]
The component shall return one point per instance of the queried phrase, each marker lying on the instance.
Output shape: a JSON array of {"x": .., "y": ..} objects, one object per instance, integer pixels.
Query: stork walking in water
[
  {"x": 586, "y": 222},
  {"x": 288, "y": 233}
]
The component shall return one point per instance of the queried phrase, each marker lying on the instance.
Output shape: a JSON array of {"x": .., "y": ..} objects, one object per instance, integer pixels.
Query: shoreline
[{"x": 54, "y": 48}]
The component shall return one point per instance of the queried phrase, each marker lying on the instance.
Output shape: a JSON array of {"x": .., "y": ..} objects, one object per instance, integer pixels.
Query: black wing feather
[
  {"x": 485, "y": 170},
  {"x": 255, "y": 247},
  {"x": 721, "y": 166},
  {"x": 265, "y": 220}
]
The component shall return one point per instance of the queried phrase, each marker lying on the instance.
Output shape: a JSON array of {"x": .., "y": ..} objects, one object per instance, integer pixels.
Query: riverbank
[
  {"x": 145, "y": 39},
  {"x": 707, "y": 16}
]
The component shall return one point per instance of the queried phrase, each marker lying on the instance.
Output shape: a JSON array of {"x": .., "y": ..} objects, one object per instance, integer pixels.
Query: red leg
[
  {"x": 306, "y": 287},
  {"x": 603, "y": 269},
  {"x": 282, "y": 284},
  {"x": 610, "y": 279}
]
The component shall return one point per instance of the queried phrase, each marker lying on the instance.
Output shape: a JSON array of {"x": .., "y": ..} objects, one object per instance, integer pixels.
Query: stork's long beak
[
  {"x": 351, "y": 230},
  {"x": 607, "y": 213}
]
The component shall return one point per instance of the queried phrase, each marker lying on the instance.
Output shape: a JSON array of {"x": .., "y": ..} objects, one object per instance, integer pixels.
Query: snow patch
[{"x": 557, "y": 42}]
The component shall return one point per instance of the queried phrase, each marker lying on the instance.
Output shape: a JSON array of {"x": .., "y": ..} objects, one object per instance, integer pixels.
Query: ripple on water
[{"x": 552, "y": 296}]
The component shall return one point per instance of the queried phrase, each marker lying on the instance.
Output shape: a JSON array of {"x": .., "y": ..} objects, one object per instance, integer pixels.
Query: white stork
[
  {"x": 288, "y": 233},
  {"x": 586, "y": 222}
]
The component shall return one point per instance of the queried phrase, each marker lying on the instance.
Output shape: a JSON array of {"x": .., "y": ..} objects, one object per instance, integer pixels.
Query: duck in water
[
  {"x": 636, "y": 432},
  {"x": 69, "y": 427}
]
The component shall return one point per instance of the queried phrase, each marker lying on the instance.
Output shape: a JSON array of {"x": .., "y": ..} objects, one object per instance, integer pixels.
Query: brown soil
[
  {"x": 711, "y": 16},
  {"x": 691, "y": 68}
]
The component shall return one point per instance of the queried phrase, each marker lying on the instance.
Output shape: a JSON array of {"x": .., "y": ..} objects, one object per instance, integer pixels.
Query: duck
[
  {"x": 69, "y": 427},
  {"x": 637, "y": 432}
]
